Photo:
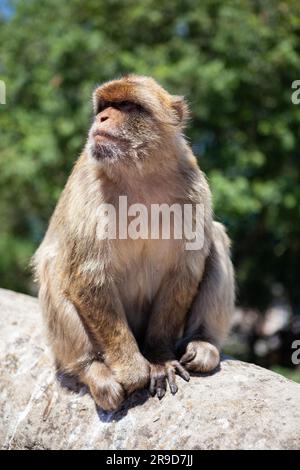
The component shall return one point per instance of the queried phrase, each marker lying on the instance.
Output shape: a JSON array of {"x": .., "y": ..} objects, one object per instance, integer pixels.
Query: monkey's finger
[
  {"x": 172, "y": 380},
  {"x": 182, "y": 372},
  {"x": 161, "y": 386},
  {"x": 152, "y": 388},
  {"x": 188, "y": 356}
]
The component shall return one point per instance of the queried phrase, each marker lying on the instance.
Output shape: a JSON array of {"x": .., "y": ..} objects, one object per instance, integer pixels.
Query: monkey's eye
[
  {"x": 127, "y": 106},
  {"x": 102, "y": 105}
]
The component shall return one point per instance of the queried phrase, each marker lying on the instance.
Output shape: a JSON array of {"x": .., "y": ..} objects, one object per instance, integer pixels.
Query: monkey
[{"x": 124, "y": 314}]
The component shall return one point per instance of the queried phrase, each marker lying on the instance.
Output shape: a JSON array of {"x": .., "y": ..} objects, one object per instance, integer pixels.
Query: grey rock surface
[{"x": 241, "y": 406}]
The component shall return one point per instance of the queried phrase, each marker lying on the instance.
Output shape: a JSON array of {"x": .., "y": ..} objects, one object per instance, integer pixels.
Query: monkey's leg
[
  {"x": 73, "y": 349},
  {"x": 103, "y": 316},
  {"x": 166, "y": 325},
  {"x": 209, "y": 320}
]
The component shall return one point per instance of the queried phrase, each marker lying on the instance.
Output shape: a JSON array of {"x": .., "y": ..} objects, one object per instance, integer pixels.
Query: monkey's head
[{"x": 134, "y": 119}]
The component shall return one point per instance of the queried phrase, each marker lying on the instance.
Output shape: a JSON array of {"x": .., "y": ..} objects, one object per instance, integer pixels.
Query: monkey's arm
[
  {"x": 103, "y": 316},
  {"x": 166, "y": 325}
]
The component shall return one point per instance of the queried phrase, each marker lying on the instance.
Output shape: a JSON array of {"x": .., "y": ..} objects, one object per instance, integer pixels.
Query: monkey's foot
[
  {"x": 200, "y": 356},
  {"x": 160, "y": 374},
  {"x": 132, "y": 375},
  {"x": 105, "y": 390}
]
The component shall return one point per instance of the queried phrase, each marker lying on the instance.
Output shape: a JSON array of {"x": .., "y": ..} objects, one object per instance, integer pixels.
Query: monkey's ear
[{"x": 179, "y": 105}]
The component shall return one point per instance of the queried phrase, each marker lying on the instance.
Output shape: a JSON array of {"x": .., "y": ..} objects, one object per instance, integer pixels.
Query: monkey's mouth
[
  {"x": 101, "y": 136},
  {"x": 106, "y": 145}
]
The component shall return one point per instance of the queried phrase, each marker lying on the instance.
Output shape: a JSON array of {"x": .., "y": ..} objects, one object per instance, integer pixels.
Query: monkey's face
[
  {"x": 121, "y": 130},
  {"x": 134, "y": 118}
]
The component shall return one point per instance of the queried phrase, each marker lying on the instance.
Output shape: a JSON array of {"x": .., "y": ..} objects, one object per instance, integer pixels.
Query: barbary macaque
[{"x": 124, "y": 313}]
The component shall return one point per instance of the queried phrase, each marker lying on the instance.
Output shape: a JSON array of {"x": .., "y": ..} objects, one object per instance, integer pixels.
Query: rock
[{"x": 241, "y": 406}]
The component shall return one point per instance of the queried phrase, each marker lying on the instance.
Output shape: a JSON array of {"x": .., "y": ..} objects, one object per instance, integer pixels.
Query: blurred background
[{"x": 235, "y": 61}]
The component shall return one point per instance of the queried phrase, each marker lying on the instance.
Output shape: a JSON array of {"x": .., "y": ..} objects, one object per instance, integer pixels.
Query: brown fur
[{"x": 119, "y": 311}]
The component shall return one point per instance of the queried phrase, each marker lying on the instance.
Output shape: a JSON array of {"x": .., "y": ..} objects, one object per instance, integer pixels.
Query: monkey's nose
[{"x": 103, "y": 118}]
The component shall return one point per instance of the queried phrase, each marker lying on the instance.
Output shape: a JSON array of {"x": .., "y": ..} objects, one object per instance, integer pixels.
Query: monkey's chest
[{"x": 143, "y": 267}]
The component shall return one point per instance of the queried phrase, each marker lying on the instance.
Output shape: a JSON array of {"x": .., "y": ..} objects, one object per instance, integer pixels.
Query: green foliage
[
  {"x": 235, "y": 61},
  {"x": 288, "y": 373}
]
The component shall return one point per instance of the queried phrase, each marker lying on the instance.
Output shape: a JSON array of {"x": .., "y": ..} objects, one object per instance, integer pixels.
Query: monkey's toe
[
  {"x": 158, "y": 380},
  {"x": 161, "y": 374},
  {"x": 200, "y": 356}
]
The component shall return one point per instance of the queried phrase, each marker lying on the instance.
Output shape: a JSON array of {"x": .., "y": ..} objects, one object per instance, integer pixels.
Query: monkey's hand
[
  {"x": 160, "y": 374},
  {"x": 132, "y": 373}
]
